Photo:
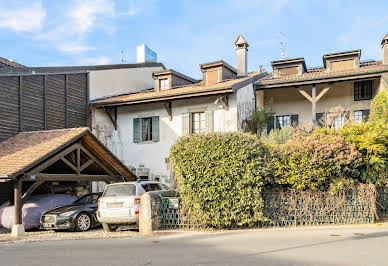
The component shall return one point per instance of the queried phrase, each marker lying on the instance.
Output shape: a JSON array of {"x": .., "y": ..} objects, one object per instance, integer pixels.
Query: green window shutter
[
  {"x": 270, "y": 125},
  {"x": 294, "y": 120},
  {"x": 277, "y": 122},
  {"x": 185, "y": 124},
  {"x": 318, "y": 118},
  {"x": 155, "y": 128},
  {"x": 136, "y": 130},
  {"x": 209, "y": 121}
]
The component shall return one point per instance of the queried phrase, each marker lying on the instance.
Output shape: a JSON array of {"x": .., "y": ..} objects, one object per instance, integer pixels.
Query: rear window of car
[
  {"x": 120, "y": 190},
  {"x": 154, "y": 187}
]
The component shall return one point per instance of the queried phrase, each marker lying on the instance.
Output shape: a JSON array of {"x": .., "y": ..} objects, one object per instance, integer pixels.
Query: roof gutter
[{"x": 318, "y": 80}]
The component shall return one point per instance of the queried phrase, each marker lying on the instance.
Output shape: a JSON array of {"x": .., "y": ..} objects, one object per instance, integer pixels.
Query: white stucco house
[{"x": 140, "y": 127}]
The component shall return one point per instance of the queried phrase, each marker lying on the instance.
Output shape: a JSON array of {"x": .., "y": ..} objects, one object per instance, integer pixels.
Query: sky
[{"x": 185, "y": 34}]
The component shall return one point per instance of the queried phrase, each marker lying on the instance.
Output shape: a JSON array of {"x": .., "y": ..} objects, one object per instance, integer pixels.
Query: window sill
[
  {"x": 360, "y": 100},
  {"x": 147, "y": 142}
]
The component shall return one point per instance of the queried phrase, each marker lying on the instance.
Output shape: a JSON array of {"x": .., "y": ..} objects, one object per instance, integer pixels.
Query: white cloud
[
  {"x": 27, "y": 17},
  {"x": 81, "y": 17},
  {"x": 85, "y": 12},
  {"x": 74, "y": 47},
  {"x": 101, "y": 60}
]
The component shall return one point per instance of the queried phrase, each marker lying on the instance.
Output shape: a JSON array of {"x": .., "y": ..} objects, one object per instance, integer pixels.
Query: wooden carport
[{"x": 56, "y": 155}]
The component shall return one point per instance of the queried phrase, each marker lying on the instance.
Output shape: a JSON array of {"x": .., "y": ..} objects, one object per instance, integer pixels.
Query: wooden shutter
[
  {"x": 294, "y": 120},
  {"x": 365, "y": 115},
  {"x": 270, "y": 125},
  {"x": 318, "y": 118},
  {"x": 209, "y": 121},
  {"x": 155, "y": 128},
  {"x": 185, "y": 124},
  {"x": 136, "y": 130}
]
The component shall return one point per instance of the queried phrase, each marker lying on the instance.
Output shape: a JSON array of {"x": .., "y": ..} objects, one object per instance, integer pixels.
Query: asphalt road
[{"x": 315, "y": 246}]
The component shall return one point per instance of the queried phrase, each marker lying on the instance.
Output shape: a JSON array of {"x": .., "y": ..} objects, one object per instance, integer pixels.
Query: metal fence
[
  {"x": 382, "y": 202},
  {"x": 294, "y": 208}
]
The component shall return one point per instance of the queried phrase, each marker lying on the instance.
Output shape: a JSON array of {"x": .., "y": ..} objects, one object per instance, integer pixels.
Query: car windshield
[
  {"x": 87, "y": 199},
  {"x": 120, "y": 190},
  {"x": 154, "y": 187}
]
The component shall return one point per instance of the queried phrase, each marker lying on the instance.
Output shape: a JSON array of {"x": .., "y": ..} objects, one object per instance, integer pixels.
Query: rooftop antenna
[{"x": 282, "y": 54}]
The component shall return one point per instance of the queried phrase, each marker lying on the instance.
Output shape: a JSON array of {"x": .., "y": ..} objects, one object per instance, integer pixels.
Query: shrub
[
  {"x": 313, "y": 162},
  {"x": 371, "y": 139},
  {"x": 379, "y": 108},
  {"x": 220, "y": 176},
  {"x": 280, "y": 136}
]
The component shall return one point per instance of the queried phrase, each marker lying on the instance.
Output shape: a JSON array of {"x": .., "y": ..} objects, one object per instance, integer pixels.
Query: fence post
[{"x": 145, "y": 215}]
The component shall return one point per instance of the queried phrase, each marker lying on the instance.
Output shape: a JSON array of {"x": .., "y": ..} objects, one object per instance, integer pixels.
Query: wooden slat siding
[
  {"x": 37, "y": 102},
  {"x": 33, "y": 103},
  {"x": 55, "y": 101},
  {"x": 66, "y": 107},
  {"x": 45, "y": 101},
  {"x": 9, "y": 106},
  {"x": 20, "y": 103},
  {"x": 77, "y": 100}
]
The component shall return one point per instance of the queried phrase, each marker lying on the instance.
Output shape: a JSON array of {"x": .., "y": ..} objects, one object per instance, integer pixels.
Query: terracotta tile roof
[
  {"x": 22, "y": 150},
  {"x": 177, "y": 91},
  {"x": 320, "y": 73},
  {"x": 8, "y": 63},
  {"x": 27, "y": 149}
]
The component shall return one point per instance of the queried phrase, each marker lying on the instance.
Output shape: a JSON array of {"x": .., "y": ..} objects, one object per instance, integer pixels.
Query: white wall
[
  {"x": 119, "y": 81},
  {"x": 287, "y": 101},
  {"x": 153, "y": 154}
]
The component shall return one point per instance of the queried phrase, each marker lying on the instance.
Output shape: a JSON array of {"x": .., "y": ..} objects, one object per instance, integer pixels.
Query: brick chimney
[
  {"x": 242, "y": 58},
  {"x": 384, "y": 44}
]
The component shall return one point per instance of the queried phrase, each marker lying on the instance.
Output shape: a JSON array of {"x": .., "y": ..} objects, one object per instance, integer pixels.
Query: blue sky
[{"x": 187, "y": 33}]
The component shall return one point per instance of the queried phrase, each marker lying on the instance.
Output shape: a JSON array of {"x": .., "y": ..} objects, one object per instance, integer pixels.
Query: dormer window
[
  {"x": 289, "y": 67},
  {"x": 163, "y": 84},
  {"x": 217, "y": 71},
  {"x": 342, "y": 61},
  {"x": 167, "y": 79}
]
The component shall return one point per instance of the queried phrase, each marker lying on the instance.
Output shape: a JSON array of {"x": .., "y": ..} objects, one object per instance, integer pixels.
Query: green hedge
[
  {"x": 220, "y": 177},
  {"x": 315, "y": 161}
]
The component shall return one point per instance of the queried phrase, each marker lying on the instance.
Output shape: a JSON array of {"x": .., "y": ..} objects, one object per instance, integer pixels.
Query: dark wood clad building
[{"x": 30, "y": 102}]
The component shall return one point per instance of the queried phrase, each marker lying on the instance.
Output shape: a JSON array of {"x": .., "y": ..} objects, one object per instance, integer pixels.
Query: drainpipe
[{"x": 314, "y": 102}]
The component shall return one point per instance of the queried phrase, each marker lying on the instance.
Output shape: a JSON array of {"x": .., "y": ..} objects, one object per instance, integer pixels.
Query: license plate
[
  {"x": 115, "y": 205},
  {"x": 47, "y": 225}
]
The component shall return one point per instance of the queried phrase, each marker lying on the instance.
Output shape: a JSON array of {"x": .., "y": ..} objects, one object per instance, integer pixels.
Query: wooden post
[
  {"x": 18, "y": 228},
  {"x": 18, "y": 201},
  {"x": 314, "y": 101}
]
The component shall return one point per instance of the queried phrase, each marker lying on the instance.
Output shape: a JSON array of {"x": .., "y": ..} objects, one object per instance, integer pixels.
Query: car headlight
[{"x": 69, "y": 213}]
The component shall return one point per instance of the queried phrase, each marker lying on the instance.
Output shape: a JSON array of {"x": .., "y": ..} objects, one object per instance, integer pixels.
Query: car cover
[{"x": 33, "y": 209}]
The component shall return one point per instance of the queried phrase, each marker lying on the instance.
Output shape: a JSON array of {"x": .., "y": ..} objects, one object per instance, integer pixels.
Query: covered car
[{"x": 33, "y": 208}]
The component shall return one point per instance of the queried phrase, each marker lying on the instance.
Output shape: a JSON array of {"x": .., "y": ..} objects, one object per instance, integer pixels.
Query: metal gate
[{"x": 170, "y": 216}]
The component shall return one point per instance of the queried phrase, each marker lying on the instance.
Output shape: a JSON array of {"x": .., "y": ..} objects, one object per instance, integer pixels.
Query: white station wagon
[{"x": 121, "y": 201}]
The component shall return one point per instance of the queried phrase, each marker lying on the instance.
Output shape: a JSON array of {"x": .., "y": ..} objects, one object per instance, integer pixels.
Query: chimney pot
[
  {"x": 384, "y": 44},
  {"x": 242, "y": 58}
]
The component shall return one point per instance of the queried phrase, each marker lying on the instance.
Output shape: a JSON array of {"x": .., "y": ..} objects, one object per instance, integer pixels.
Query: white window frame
[{"x": 164, "y": 84}]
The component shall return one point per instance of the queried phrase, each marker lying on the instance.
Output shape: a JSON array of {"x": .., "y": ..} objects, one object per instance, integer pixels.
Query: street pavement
[{"x": 345, "y": 245}]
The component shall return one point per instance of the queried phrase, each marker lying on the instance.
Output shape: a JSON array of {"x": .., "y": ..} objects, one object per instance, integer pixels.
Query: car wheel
[
  {"x": 109, "y": 227},
  {"x": 83, "y": 222}
]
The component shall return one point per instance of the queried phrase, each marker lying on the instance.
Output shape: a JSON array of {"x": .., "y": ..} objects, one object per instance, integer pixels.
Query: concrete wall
[
  {"x": 151, "y": 156},
  {"x": 288, "y": 101},
  {"x": 118, "y": 81}
]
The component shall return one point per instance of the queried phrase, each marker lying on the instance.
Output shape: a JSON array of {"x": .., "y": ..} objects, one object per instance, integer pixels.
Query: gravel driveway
[{"x": 35, "y": 235}]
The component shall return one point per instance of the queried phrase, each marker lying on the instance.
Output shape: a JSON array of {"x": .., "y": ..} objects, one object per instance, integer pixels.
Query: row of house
[
  {"x": 139, "y": 110},
  {"x": 140, "y": 127}
]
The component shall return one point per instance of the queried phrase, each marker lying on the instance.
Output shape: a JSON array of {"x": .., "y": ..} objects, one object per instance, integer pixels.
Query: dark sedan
[{"x": 79, "y": 216}]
